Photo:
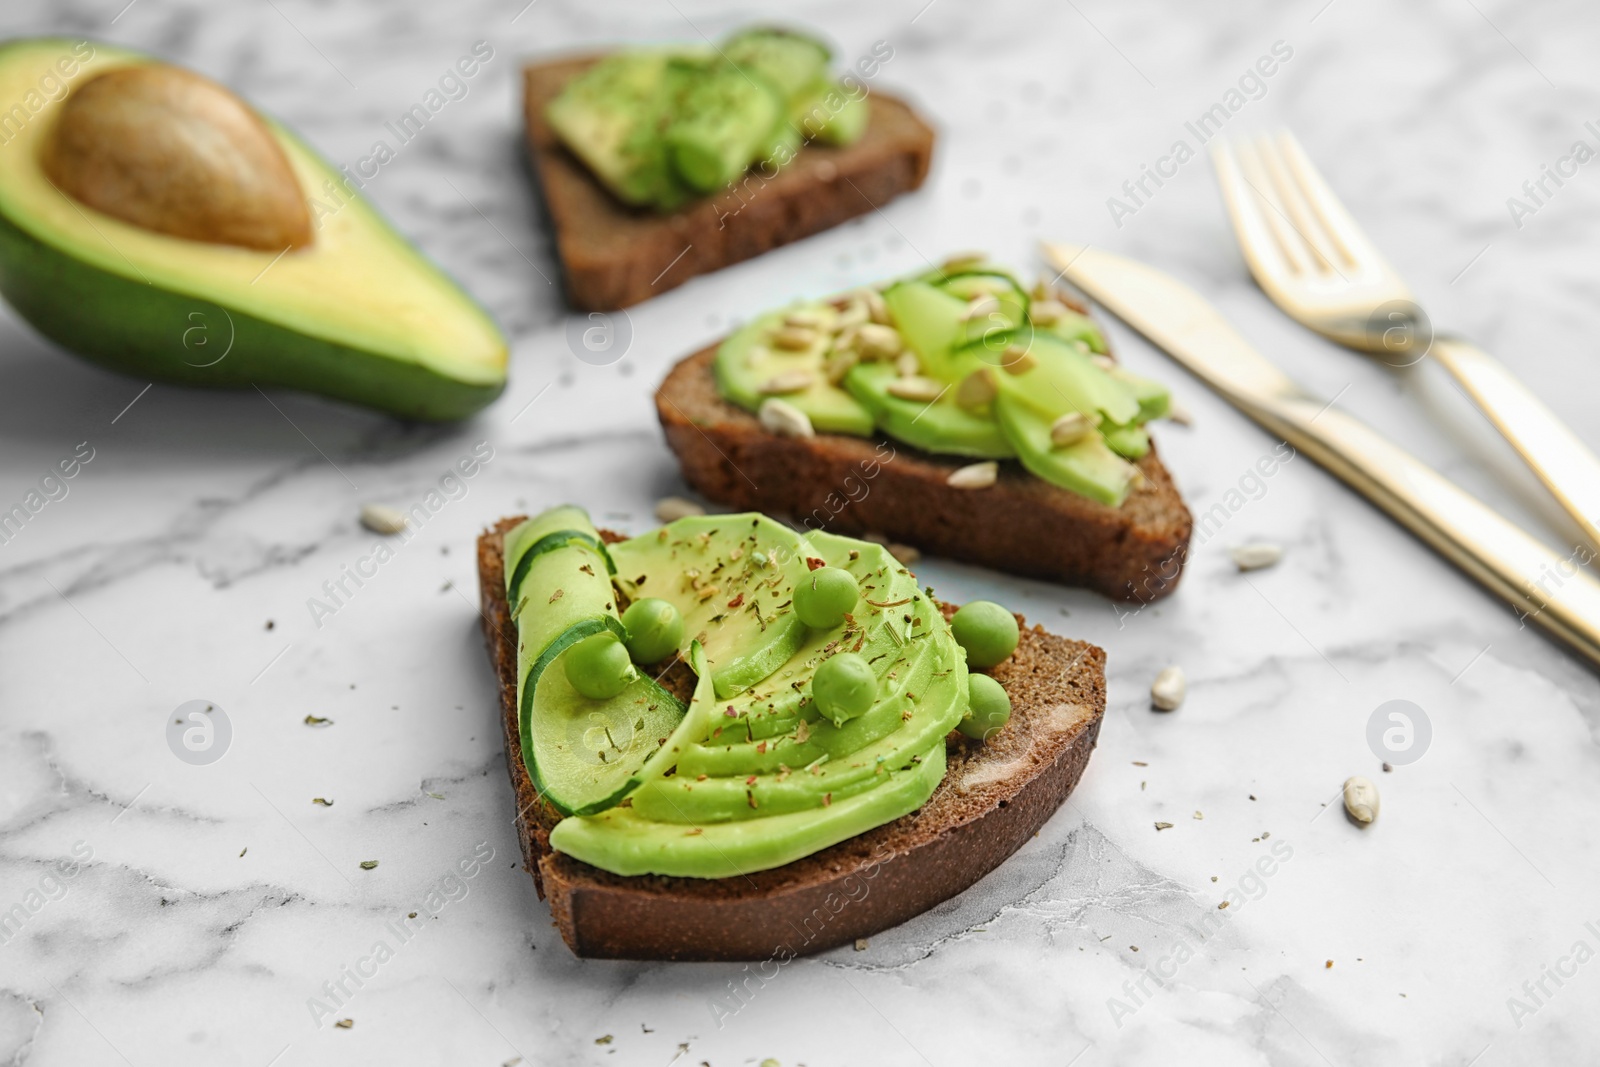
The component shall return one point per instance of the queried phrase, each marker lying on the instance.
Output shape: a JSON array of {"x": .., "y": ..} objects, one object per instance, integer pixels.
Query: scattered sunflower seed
[
  {"x": 1100, "y": 360},
  {"x": 1180, "y": 415},
  {"x": 344, "y": 1024},
  {"x": 977, "y": 390},
  {"x": 1071, "y": 428},
  {"x": 907, "y": 365},
  {"x": 1047, "y": 312},
  {"x": 974, "y": 475},
  {"x": 1361, "y": 799},
  {"x": 794, "y": 338},
  {"x": 1169, "y": 689},
  {"x": 917, "y": 388},
  {"x": 861, "y": 944},
  {"x": 877, "y": 310},
  {"x": 876, "y": 341},
  {"x": 673, "y": 508},
  {"x": 1256, "y": 555},
  {"x": 784, "y": 419},
  {"x": 790, "y": 381},
  {"x": 838, "y": 365},
  {"x": 807, "y": 318},
  {"x": 1018, "y": 360},
  {"x": 978, "y": 307},
  {"x": 367, "y": 865},
  {"x": 382, "y": 519},
  {"x": 854, "y": 314}
]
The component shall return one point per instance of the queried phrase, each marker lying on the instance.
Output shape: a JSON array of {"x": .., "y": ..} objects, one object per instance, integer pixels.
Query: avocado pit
[{"x": 167, "y": 150}]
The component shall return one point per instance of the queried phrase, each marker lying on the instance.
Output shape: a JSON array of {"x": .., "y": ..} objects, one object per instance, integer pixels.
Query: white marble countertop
[{"x": 210, "y": 904}]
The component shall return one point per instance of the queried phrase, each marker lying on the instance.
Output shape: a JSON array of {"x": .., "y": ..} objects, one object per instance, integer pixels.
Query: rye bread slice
[
  {"x": 994, "y": 797},
  {"x": 854, "y": 485},
  {"x": 615, "y": 256}
]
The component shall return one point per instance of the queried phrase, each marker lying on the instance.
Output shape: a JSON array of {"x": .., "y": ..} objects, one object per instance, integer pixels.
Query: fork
[{"x": 1314, "y": 261}]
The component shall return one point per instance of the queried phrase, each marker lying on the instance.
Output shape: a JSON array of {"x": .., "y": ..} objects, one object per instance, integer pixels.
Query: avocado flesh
[
  {"x": 939, "y": 426},
  {"x": 830, "y": 113},
  {"x": 622, "y": 842},
  {"x": 725, "y": 121},
  {"x": 583, "y": 755},
  {"x": 866, "y": 772},
  {"x": 748, "y": 358},
  {"x": 733, "y": 578},
  {"x": 1088, "y": 467},
  {"x": 791, "y": 62},
  {"x": 358, "y": 315}
]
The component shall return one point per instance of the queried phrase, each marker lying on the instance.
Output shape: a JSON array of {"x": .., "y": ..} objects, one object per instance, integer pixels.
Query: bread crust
[
  {"x": 615, "y": 256},
  {"x": 854, "y": 485},
  {"x": 994, "y": 797}
]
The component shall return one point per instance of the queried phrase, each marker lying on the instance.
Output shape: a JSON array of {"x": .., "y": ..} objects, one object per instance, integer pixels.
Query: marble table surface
[{"x": 175, "y": 913}]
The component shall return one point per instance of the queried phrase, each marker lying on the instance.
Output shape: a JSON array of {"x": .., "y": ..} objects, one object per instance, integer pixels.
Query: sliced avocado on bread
[
  {"x": 154, "y": 223},
  {"x": 724, "y": 836},
  {"x": 858, "y": 414},
  {"x": 660, "y": 164}
]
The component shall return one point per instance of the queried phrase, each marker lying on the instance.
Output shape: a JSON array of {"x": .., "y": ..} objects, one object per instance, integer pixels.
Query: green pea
[
  {"x": 655, "y": 629},
  {"x": 598, "y": 666},
  {"x": 844, "y": 687},
  {"x": 824, "y": 596},
  {"x": 986, "y": 630},
  {"x": 990, "y": 707}
]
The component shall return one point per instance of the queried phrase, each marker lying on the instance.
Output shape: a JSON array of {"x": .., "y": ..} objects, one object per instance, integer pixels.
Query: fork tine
[
  {"x": 1299, "y": 213},
  {"x": 1261, "y": 248},
  {"x": 1343, "y": 229},
  {"x": 1264, "y": 193}
]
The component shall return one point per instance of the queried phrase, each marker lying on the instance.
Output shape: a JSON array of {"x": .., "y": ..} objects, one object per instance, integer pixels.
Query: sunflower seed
[
  {"x": 1255, "y": 556},
  {"x": 877, "y": 310},
  {"x": 1361, "y": 799},
  {"x": 974, "y": 476},
  {"x": 854, "y": 313},
  {"x": 917, "y": 388},
  {"x": 809, "y": 318},
  {"x": 1018, "y": 360},
  {"x": 845, "y": 339},
  {"x": 963, "y": 260},
  {"x": 979, "y": 306},
  {"x": 784, "y": 419},
  {"x": 876, "y": 341},
  {"x": 1071, "y": 428},
  {"x": 793, "y": 381},
  {"x": 1169, "y": 689},
  {"x": 838, "y": 365},
  {"x": 1180, "y": 415},
  {"x": 382, "y": 519},
  {"x": 907, "y": 365},
  {"x": 977, "y": 390},
  {"x": 794, "y": 338},
  {"x": 1047, "y": 312},
  {"x": 673, "y": 508},
  {"x": 1104, "y": 362}
]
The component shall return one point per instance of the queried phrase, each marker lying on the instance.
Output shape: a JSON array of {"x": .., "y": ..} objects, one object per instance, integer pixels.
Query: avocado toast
[
  {"x": 638, "y": 211},
  {"x": 955, "y": 411},
  {"x": 650, "y": 839}
]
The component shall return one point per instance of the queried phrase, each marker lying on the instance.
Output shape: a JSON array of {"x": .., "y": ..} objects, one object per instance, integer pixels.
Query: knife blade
[{"x": 1541, "y": 585}]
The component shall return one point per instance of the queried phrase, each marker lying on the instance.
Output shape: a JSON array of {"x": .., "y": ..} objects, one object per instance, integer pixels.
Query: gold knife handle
[
  {"x": 1541, "y": 586},
  {"x": 1565, "y": 464}
]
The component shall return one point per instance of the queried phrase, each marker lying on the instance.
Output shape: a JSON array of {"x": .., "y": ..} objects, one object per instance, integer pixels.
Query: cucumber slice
[{"x": 1088, "y": 467}]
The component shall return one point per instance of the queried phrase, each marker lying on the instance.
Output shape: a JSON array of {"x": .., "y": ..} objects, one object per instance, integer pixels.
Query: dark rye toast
[
  {"x": 994, "y": 797},
  {"x": 855, "y": 485},
  {"x": 615, "y": 256}
]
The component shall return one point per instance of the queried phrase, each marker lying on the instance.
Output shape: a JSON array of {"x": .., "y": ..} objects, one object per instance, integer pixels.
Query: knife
[{"x": 1542, "y": 586}]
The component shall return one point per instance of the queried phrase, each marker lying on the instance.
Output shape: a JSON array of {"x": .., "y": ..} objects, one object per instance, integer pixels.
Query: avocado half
[{"x": 359, "y": 314}]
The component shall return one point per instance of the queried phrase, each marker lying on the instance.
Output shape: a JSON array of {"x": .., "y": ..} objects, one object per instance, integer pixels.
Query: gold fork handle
[
  {"x": 1541, "y": 586},
  {"x": 1565, "y": 464}
]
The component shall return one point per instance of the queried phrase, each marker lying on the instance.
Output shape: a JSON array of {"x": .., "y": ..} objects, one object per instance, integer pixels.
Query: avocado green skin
[{"x": 142, "y": 330}]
